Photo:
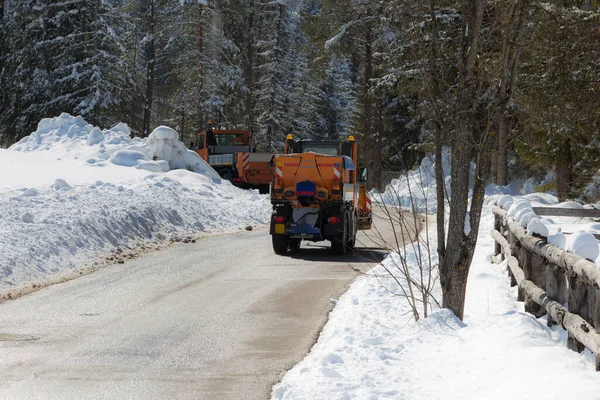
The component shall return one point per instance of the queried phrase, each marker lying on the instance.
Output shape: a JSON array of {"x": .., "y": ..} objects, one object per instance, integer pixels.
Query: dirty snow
[{"x": 71, "y": 193}]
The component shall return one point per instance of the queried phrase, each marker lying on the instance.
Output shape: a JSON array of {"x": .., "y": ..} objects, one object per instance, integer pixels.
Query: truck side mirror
[{"x": 362, "y": 174}]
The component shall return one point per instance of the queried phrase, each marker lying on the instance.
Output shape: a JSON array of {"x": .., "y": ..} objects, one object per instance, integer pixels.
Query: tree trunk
[
  {"x": 503, "y": 132},
  {"x": 377, "y": 148},
  {"x": 564, "y": 170},
  {"x": 250, "y": 103},
  {"x": 435, "y": 93},
  {"x": 149, "y": 72},
  {"x": 368, "y": 110},
  {"x": 454, "y": 268},
  {"x": 3, "y": 95},
  {"x": 200, "y": 117},
  {"x": 495, "y": 159}
]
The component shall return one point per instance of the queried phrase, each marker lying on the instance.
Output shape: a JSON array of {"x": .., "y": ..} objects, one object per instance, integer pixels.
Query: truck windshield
[
  {"x": 230, "y": 139},
  {"x": 329, "y": 149}
]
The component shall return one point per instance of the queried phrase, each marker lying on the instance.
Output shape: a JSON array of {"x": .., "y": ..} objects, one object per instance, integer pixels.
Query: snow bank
[
  {"x": 418, "y": 185},
  {"x": 370, "y": 349},
  {"x": 71, "y": 138},
  {"x": 71, "y": 193},
  {"x": 163, "y": 144}
]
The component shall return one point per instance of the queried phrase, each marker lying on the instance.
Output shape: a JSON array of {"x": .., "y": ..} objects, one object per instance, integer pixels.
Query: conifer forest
[{"x": 516, "y": 81}]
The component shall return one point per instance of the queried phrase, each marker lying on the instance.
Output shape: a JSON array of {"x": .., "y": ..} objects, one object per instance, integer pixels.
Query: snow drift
[
  {"x": 71, "y": 137},
  {"x": 71, "y": 192}
]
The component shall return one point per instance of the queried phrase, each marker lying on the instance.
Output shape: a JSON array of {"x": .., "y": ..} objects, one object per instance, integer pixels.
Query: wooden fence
[{"x": 549, "y": 277}]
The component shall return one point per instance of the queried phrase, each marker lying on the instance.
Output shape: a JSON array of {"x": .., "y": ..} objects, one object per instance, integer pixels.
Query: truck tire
[
  {"x": 280, "y": 244},
  {"x": 264, "y": 189},
  {"x": 339, "y": 242},
  {"x": 294, "y": 244},
  {"x": 352, "y": 232},
  {"x": 226, "y": 173}
]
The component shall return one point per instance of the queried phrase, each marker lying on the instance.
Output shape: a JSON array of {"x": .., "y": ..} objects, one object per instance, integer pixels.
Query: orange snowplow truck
[
  {"x": 316, "y": 195},
  {"x": 230, "y": 154}
]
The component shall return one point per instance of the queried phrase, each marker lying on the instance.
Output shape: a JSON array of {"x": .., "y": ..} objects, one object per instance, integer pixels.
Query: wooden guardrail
[
  {"x": 549, "y": 277},
  {"x": 567, "y": 212}
]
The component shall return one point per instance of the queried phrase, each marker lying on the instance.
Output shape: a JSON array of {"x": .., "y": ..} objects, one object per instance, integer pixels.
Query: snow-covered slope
[{"x": 72, "y": 193}]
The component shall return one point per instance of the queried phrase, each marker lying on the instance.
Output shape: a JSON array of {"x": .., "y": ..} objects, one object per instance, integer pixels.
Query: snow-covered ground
[
  {"x": 71, "y": 194},
  {"x": 371, "y": 349},
  {"x": 573, "y": 234}
]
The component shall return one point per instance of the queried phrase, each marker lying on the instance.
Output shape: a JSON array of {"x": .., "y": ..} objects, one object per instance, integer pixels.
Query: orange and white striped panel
[
  {"x": 246, "y": 162},
  {"x": 337, "y": 172}
]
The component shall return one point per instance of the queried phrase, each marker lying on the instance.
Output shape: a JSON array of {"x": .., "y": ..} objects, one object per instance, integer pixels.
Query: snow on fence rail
[{"x": 549, "y": 277}]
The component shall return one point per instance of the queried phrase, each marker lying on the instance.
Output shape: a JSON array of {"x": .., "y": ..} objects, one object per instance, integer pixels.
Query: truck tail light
[
  {"x": 279, "y": 219},
  {"x": 334, "y": 220}
]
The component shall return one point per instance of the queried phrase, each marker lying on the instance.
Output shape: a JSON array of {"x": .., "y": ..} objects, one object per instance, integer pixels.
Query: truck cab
[
  {"x": 219, "y": 147},
  {"x": 230, "y": 154}
]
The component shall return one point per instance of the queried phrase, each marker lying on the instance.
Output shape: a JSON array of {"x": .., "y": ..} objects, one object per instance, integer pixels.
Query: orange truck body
[
  {"x": 234, "y": 159},
  {"x": 316, "y": 195}
]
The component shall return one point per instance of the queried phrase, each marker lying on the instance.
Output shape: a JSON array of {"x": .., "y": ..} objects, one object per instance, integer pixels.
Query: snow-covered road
[{"x": 219, "y": 319}]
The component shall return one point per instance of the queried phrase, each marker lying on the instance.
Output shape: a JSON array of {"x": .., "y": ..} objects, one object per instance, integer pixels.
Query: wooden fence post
[
  {"x": 556, "y": 287},
  {"x": 596, "y": 323},
  {"x": 577, "y": 305},
  {"x": 498, "y": 227},
  {"x": 536, "y": 273},
  {"x": 514, "y": 251},
  {"x": 524, "y": 258}
]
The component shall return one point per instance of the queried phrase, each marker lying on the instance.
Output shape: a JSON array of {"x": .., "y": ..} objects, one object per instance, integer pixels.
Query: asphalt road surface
[{"x": 223, "y": 318}]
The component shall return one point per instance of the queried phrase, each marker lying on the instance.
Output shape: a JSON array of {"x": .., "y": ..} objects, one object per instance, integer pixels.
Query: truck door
[{"x": 202, "y": 149}]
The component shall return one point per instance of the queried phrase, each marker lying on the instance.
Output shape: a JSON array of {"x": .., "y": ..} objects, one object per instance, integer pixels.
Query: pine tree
[
  {"x": 558, "y": 94},
  {"x": 63, "y": 57},
  {"x": 275, "y": 71},
  {"x": 340, "y": 98}
]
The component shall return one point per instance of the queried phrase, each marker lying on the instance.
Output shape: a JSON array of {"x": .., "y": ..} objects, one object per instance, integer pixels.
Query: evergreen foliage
[{"x": 313, "y": 68}]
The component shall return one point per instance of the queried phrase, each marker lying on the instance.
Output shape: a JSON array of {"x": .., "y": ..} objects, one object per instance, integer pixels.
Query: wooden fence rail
[
  {"x": 549, "y": 277},
  {"x": 567, "y": 212}
]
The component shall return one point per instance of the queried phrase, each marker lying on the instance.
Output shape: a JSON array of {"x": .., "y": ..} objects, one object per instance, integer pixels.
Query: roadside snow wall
[{"x": 72, "y": 193}]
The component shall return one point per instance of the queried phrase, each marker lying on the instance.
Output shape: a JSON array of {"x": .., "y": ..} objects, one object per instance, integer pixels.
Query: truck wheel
[
  {"x": 263, "y": 189},
  {"x": 294, "y": 244},
  {"x": 280, "y": 244},
  {"x": 226, "y": 174},
  {"x": 338, "y": 243},
  {"x": 352, "y": 233}
]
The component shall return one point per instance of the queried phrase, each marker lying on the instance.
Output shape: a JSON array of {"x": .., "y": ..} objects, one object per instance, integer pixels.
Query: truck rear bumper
[{"x": 304, "y": 232}]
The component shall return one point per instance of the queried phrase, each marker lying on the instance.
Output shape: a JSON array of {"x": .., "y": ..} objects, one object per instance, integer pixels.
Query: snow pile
[
  {"x": 370, "y": 348},
  {"x": 581, "y": 241},
  {"x": 418, "y": 185},
  {"x": 69, "y": 137},
  {"x": 558, "y": 239},
  {"x": 536, "y": 227},
  {"x": 584, "y": 244},
  {"x": 71, "y": 193},
  {"x": 164, "y": 144}
]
